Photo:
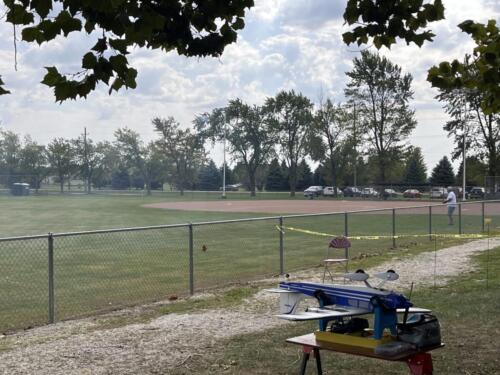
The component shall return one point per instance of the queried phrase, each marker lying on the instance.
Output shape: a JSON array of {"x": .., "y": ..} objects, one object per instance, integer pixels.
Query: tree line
[{"x": 363, "y": 140}]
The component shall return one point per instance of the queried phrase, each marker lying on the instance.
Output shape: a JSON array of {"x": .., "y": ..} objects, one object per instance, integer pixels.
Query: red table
[{"x": 418, "y": 361}]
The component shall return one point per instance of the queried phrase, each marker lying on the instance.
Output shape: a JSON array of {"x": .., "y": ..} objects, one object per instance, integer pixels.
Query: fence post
[
  {"x": 191, "y": 260},
  {"x": 430, "y": 223},
  {"x": 346, "y": 233},
  {"x": 282, "y": 254},
  {"x": 51, "y": 276},
  {"x": 482, "y": 217},
  {"x": 460, "y": 218},
  {"x": 393, "y": 227}
]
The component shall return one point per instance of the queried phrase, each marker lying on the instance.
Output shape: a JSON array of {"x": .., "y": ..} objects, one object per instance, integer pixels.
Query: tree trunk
[
  {"x": 251, "y": 176},
  {"x": 334, "y": 176},
  {"x": 292, "y": 178},
  {"x": 61, "y": 183}
]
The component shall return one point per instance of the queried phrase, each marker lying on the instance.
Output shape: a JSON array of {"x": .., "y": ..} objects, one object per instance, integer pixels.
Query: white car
[
  {"x": 330, "y": 191},
  {"x": 438, "y": 192},
  {"x": 369, "y": 192},
  {"x": 313, "y": 191}
]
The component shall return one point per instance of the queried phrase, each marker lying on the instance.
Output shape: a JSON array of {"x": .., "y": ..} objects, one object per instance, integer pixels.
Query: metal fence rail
[{"x": 45, "y": 278}]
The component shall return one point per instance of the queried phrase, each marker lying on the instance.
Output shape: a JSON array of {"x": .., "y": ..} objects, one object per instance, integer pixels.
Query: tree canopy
[
  {"x": 382, "y": 92},
  {"x": 191, "y": 27}
]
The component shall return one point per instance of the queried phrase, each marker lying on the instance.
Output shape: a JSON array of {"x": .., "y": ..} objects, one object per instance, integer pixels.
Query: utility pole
[
  {"x": 86, "y": 161},
  {"x": 224, "y": 162},
  {"x": 355, "y": 145}
]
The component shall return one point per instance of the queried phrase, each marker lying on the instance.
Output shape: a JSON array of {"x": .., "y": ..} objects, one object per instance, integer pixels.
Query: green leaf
[
  {"x": 89, "y": 61},
  {"x": 52, "y": 77},
  {"x": 119, "y": 45},
  {"x": 42, "y": 7},
  {"x": 100, "y": 46},
  {"x": 117, "y": 84},
  {"x": 18, "y": 15}
]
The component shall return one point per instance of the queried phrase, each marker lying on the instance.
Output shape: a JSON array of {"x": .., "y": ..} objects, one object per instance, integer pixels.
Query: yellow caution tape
[{"x": 372, "y": 237}]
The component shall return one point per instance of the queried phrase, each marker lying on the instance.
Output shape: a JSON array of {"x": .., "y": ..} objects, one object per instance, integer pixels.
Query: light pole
[
  {"x": 224, "y": 163},
  {"x": 464, "y": 134}
]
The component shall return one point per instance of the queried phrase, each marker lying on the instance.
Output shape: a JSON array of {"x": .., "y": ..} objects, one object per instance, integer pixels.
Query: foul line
[{"x": 371, "y": 237}]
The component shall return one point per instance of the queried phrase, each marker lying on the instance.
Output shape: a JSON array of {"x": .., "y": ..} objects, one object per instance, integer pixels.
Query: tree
[
  {"x": 60, "y": 157},
  {"x": 33, "y": 161},
  {"x": 250, "y": 139},
  {"x": 275, "y": 180},
  {"x": 10, "y": 152},
  {"x": 209, "y": 177},
  {"x": 476, "y": 172},
  {"x": 110, "y": 162},
  {"x": 88, "y": 157},
  {"x": 120, "y": 178},
  {"x": 319, "y": 177},
  {"x": 382, "y": 93},
  {"x": 144, "y": 158},
  {"x": 482, "y": 129},
  {"x": 415, "y": 170},
  {"x": 191, "y": 27},
  {"x": 442, "y": 174},
  {"x": 384, "y": 21},
  {"x": 486, "y": 65},
  {"x": 290, "y": 116},
  {"x": 331, "y": 123},
  {"x": 181, "y": 149},
  {"x": 304, "y": 175}
]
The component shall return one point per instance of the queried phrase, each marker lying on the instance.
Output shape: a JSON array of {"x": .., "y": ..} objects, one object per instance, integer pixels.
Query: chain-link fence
[{"x": 60, "y": 276}]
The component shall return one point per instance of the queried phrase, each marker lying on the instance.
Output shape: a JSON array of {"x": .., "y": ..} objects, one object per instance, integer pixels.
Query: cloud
[{"x": 285, "y": 45}]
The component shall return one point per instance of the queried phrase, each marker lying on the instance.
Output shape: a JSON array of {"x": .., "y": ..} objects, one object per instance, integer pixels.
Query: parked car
[
  {"x": 352, "y": 191},
  {"x": 330, "y": 191},
  {"x": 369, "y": 192},
  {"x": 438, "y": 192},
  {"x": 477, "y": 192},
  {"x": 412, "y": 193},
  {"x": 234, "y": 187},
  {"x": 390, "y": 193},
  {"x": 313, "y": 191}
]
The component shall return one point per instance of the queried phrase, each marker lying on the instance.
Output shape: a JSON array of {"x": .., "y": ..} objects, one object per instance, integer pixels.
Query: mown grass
[
  {"x": 468, "y": 313},
  {"x": 104, "y": 271}
]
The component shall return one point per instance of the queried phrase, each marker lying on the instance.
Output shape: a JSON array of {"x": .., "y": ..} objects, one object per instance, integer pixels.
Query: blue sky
[{"x": 286, "y": 44}]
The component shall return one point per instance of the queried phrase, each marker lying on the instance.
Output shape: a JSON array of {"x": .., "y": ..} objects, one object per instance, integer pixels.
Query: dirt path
[{"x": 171, "y": 341}]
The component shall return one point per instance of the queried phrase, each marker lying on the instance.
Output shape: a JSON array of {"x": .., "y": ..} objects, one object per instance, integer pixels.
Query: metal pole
[
  {"x": 482, "y": 217},
  {"x": 282, "y": 255},
  {"x": 346, "y": 233},
  {"x": 224, "y": 164},
  {"x": 459, "y": 218},
  {"x": 191, "y": 260},
  {"x": 430, "y": 223},
  {"x": 463, "y": 170},
  {"x": 51, "y": 276},
  {"x": 394, "y": 227}
]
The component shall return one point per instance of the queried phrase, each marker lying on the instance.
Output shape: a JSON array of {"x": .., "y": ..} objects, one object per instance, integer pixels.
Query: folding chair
[{"x": 340, "y": 242}]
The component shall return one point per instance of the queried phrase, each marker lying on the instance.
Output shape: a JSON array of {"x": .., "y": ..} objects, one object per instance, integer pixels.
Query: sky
[{"x": 286, "y": 44}]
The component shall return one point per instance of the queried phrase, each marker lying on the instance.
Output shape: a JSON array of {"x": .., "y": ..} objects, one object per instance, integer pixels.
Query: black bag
[{"x": 420, "y": 330}]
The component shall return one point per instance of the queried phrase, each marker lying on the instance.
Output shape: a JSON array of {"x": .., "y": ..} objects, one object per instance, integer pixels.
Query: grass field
[
  {"x": 468, "y": 314},
  {"x": 103, "y": 271}
]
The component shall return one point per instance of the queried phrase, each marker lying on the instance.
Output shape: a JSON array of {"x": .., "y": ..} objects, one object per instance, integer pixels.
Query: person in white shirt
[{"x": 451, "y": 201}]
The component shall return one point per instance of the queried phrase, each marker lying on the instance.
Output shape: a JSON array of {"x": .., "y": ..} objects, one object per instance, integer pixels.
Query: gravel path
[{"x": 171, "y": 341}]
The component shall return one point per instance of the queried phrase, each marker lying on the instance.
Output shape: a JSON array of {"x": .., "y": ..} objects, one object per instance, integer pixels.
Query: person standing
[{"x": 451, "y": 201}]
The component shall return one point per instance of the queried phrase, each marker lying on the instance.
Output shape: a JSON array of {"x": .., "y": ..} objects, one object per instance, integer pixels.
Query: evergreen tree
[
  {"x": 286, "y": 175},
  {"x": 442, "y": 174},
  {"x": 120, "y": 179},
  {"x": 209, "y": 177},
  {"x": 415, "y": 171},
  {"x": 275, "y": 178},
  {"x": 475, "y": 169},
  {"x": 304, "y": 175},
  {"x": 319, "y": 176}
]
